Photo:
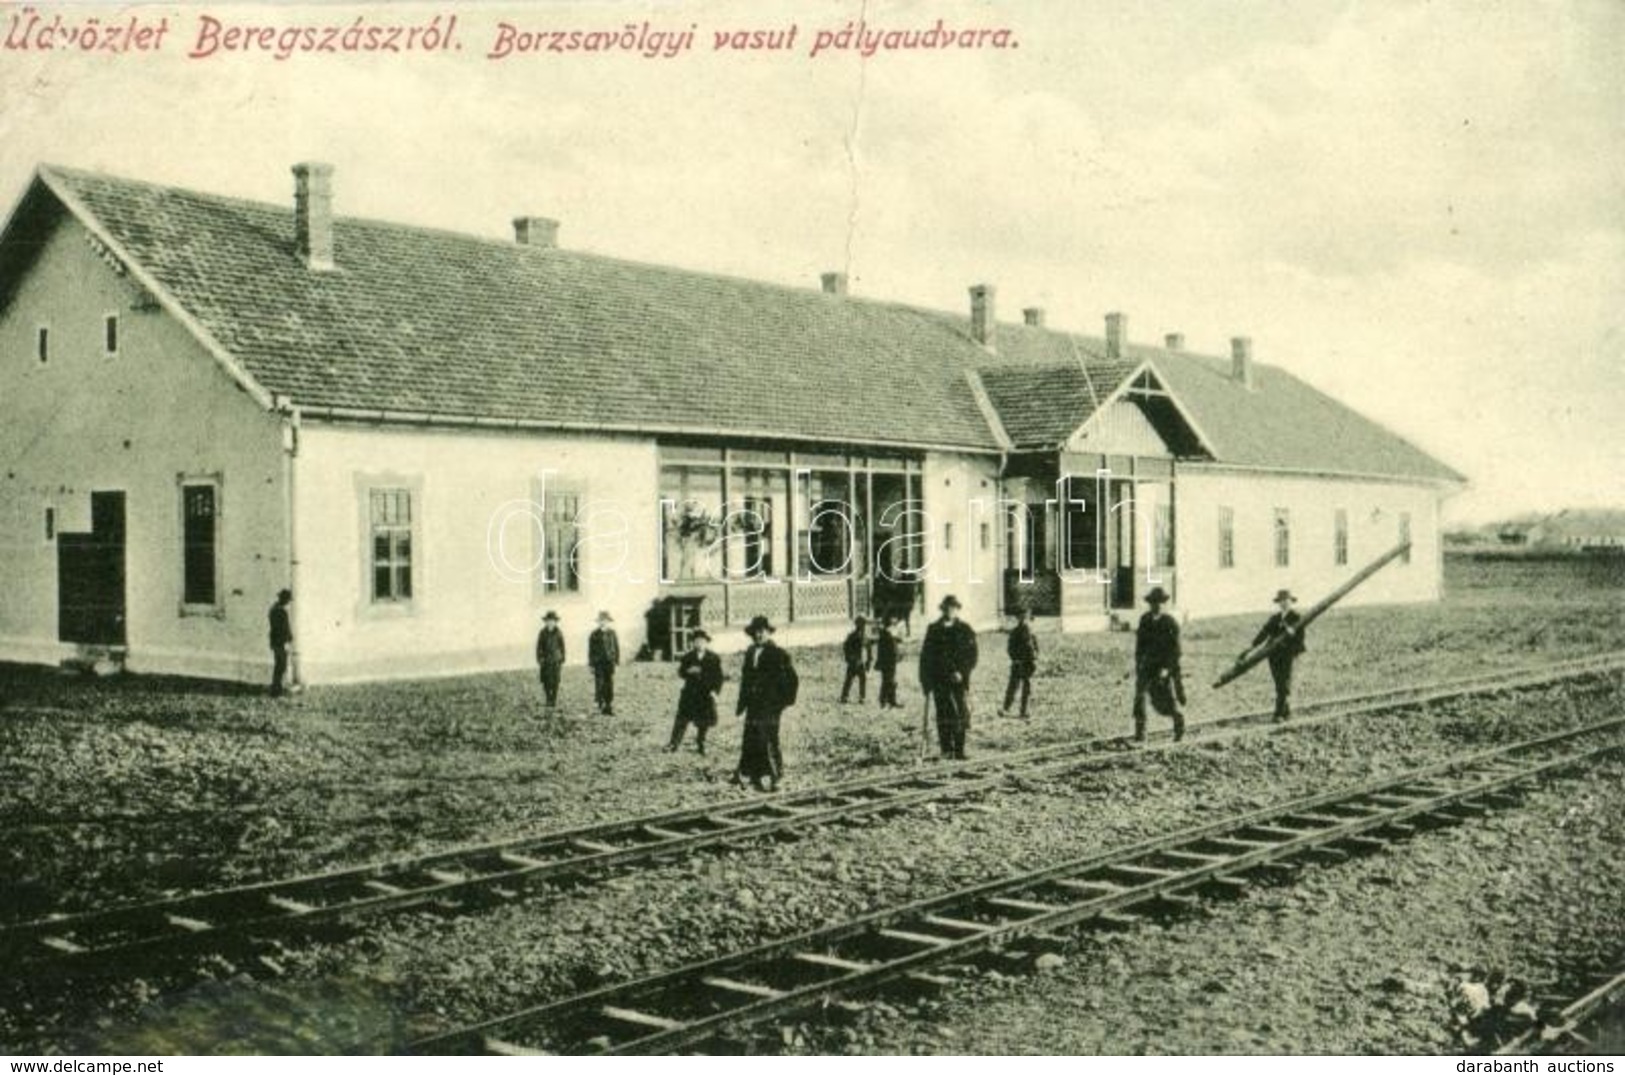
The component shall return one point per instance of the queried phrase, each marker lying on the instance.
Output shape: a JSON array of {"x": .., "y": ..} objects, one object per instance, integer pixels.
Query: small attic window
[
  {"x": 42, "y": 345},
  {"x": 110, "y": 335}
]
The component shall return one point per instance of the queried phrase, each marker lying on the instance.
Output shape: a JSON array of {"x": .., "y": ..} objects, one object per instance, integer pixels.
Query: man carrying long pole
[{"x": 1261, "y": 652}]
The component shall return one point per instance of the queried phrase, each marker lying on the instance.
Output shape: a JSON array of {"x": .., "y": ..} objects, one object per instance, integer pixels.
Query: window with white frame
[
  {"x": 200, "y": 543},
  {"x": 1340, "y": 537},
  {"x": 389, "y": 512},
  {"x": 561, "y": 542},
  {"x": 1227, "y": 537},
  {"x": 110, "y": 335},
  {"x": 1283, "y": 537}
]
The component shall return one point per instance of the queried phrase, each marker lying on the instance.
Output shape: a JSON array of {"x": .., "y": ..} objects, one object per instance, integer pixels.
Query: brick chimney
[
  {"x": 313, "y": 214},
  {"x": 1174, "y": 341},
  {"x": 1034, "y": 316},
  {"x": 834, "y": 283},
  {"x": 1116, "y": 334},
  {"x": 536, "y": 231},
  {"x": 1241, "y": 360},
  {"x": 984, "y": 326}
]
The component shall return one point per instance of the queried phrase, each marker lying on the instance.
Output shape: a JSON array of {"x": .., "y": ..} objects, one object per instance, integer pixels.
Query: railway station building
[{"x": 433, "y": 437}]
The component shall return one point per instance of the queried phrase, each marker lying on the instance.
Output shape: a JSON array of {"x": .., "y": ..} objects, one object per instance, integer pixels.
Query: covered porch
[{"x": 1087, "y": 535}]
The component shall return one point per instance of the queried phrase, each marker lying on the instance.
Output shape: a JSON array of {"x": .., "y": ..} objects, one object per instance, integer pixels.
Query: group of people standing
[
  {"x": 603, "y": 656},
  {"x": 769, "y": 684}
]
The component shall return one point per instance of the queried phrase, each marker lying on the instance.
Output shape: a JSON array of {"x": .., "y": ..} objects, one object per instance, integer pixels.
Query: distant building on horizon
[{"x": 206, "y": 399}]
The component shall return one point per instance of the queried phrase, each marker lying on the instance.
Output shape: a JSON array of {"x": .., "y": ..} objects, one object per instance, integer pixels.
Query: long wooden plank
[
  {"x": 637, "y": 1018},
  {"x": 749, "y": 989},
  {"x": 909, "y": 937},
  {"x": 821, "y": 960},
  {"x": 283, "y": 903},
  {"x": 957, "y": 923},
  {"x": 1032, "y": 906}
]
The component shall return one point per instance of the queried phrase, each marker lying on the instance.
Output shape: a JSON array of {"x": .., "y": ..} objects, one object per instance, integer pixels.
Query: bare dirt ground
[{"x": 118, "y": 790}]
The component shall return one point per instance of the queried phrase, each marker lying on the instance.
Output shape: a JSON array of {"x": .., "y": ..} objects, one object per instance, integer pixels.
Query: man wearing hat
[
  {"x": 701, "y": 673},
  {"x": 1283, "y": 623},
  {"x": 886, "y": 663},
  {"x": 604, "y": 654},
  {"x": 1023, "y": 651},
  {"x": 947, "y": 658},
  {"x": 281, "y": 639},
  {"x": 550, "y": 656},
  {"x": 767, "y": 687},
  {"x": 1156, "y": 666},
  {"x": 859, "y": 654}
]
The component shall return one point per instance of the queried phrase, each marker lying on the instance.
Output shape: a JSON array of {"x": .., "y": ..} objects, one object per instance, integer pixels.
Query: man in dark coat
[
  {"x": 859, "y": 654},
  {"x": 886, "y": 663},
  {"x": 767, "y": 687},
  {"x": 603, "y": 654},
  {"x": 1023, "y": 651},
  {"x": 281, "y": 639},
  {"x": 550, "y": 656},
  {"x": 947, "y": 658},
  {"x": 1157, "y": 674},
  {"x": 1284, "y": 622},
  {"x": 701, "y": 673}
]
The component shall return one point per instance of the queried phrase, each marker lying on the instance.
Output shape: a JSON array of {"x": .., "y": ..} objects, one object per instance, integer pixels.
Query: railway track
[
  {"x": 703, "y": 1001},
  {"x": 1566, "y": 1029},
  {"x": 502, "y": 870}
]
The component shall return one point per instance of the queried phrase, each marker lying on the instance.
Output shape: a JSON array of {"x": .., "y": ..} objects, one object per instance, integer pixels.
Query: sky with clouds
[{"x": 1417, "y": 207}]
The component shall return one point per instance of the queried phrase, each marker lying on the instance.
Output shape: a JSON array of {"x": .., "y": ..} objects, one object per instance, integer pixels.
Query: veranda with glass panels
[{"x": 788, "y": 534}]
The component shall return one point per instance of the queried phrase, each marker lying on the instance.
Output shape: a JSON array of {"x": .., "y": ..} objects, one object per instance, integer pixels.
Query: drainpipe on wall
[{"x": 290, "y": 472}]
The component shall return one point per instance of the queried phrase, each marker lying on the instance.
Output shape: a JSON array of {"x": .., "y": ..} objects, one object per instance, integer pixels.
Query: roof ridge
[{"x": 521, "y": 250}]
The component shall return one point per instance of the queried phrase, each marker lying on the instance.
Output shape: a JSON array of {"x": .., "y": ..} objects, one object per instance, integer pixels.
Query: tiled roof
[
  {"x": 1282, "y": 423},
  {"x": 434, "y": 323},
  {"x": 425, "y": 321}
]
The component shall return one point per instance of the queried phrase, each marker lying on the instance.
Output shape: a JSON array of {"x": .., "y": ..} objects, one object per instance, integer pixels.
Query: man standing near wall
[
  {"x": 281, "y": 639},
  {"x": 947, "y": 658},
  {"x": 550, "y": 657},
  {"x": 604, "y": 654}
]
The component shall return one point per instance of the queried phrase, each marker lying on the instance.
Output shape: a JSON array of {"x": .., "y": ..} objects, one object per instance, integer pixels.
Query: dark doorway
[{"x": 90, "y": 576}]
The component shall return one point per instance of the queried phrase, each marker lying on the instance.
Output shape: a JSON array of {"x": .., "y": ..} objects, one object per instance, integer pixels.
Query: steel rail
[
  {"x": 1570, "y": 1019},
  {"x": 188, "y": 922},
  {"x": 689, "y": 1004}
]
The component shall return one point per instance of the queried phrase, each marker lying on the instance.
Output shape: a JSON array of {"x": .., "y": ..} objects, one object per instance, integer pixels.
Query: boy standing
[
  {"x": 603, "y": 654},
  {"x": 701, "y": 672},
  {"x": 886, "y": 663},
  {"x": 550, "y": 656},
  {"x": 859, "y": 656},
  {"x": 1023, "y": 651}
]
